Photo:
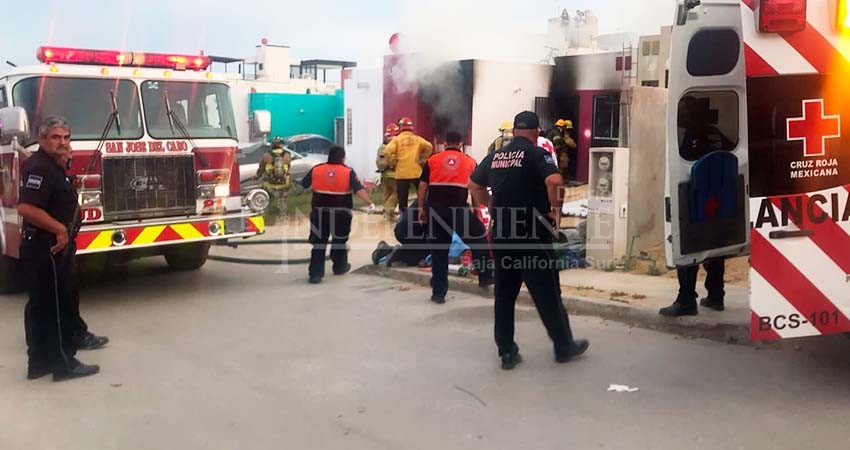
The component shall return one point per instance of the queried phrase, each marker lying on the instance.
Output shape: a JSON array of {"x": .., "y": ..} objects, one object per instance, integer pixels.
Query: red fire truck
[
  {"x": 154, "y": 143},
  {"x": 758, "y": 159}
]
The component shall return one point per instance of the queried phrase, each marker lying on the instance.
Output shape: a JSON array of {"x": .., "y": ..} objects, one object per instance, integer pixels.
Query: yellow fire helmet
[{"x": 506, "y": 126}]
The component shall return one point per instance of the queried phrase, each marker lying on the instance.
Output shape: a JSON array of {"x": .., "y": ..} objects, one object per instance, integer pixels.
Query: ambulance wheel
[
  {"x": 186, "y": 257},
  {"x": 9, "y": 276}
]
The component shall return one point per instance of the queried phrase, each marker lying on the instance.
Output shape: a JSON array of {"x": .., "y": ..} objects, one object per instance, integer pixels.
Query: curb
[{"x": 730, "y": 333}]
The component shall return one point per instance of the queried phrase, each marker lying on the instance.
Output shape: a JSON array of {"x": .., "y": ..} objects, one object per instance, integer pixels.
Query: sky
[{"x": 315, "y": 29}]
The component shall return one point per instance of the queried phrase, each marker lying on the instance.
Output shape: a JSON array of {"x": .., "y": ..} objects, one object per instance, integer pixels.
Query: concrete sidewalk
[{"x": 627, "y": 298}]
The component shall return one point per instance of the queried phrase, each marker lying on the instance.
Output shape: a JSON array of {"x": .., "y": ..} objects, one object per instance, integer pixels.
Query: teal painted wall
[{"x": 301, "y": 113}]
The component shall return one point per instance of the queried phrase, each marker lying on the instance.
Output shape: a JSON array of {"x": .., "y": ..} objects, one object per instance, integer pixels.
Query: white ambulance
[
  {"x": 154, "y": 143},
  {"x": 758, "y": 159}
]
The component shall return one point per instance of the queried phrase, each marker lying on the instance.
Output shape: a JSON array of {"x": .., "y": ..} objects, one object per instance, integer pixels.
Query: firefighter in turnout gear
[
  {"x": 565, "y": 146},
  {"x": 388, "y": 173},
  {"x": 274, "y": 171},
  {"x": 506, "y": 133},
  {"x": 406, "y": 154}
]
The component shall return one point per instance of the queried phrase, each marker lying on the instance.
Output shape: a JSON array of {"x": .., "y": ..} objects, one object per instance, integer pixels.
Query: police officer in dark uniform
[
  {"x": 50, "y": 212},
  {"x": 443, "y": 195},
  {"x": 524, "y": 208},
  {"x": 330, "y": 219}
]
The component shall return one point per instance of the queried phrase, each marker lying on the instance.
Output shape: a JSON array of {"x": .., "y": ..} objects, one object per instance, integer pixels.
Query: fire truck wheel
[
  {"x": 9, "y": 276},
  {"x": 187, "y": 257}
]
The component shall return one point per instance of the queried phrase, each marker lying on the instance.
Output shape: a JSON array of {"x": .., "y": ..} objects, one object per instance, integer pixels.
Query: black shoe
[
  {"x": 38, "y": 370},
  {"x": 438, "y": 299},
  {"x": 395, "y": 255},
  {"x": 344, "y": 270},
  {"x": 577, "y": 349},
  {"x": 712, "y": 304},
  {"x": 79, "y": 371},
  {"x": 511, "y": 360},
  {"x": 486, "y": 282},
  {"x": 678, "y": 310},
  {"x": 92, "y": 342},
  {"x": 315, "y": 280},
  {"x": 383, "y": 249}
]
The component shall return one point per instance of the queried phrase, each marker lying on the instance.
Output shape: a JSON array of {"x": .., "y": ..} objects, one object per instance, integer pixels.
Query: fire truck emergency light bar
[
  {"x": 116, "y": 58},
  {"x": 781, "y": 16}
]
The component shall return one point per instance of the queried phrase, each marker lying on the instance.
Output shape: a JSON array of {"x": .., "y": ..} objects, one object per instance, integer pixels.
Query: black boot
[
  {"x": 711, "y": 303},
  {"x": 679, "y": 309}
]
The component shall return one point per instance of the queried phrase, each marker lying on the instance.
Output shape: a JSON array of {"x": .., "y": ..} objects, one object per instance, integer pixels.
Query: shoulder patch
[
  {"x": 549, "y": 159},
  {"x": 34, "y": 182}
]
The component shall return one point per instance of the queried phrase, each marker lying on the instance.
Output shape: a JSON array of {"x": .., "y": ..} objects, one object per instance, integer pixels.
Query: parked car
[
  {"x": 308, "y": 144},
  {"x": 249, "y": 156}
]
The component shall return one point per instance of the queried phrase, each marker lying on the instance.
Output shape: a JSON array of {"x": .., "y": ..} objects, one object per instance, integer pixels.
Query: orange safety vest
[
  {"x": 450, "y": 168},
  {"x": 332, "y": 179}
]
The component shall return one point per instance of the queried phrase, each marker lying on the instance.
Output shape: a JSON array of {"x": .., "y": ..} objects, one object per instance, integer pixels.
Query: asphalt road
[{"x": 243, "y": 357}]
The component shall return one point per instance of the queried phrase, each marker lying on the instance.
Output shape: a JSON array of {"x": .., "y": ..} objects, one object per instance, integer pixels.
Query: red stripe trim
[
  {"x": 250, "y": 227},
  {"x": 85, "y": 239},
  {"x": 756, "y": 65},
  {"x": 759, "y": 335},
  {"x": 812, "y": 46},
  {"x": 815, "y": 49},
  {"x": 133, "y": 233},
  {"x": 202, "y": 227},
  {"x": 828, "y": 236},
  {"x": 804, "y": 296}
]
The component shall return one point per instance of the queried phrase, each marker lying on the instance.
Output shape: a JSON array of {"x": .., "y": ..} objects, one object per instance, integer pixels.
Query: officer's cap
[{"x": 526, "y": 120}]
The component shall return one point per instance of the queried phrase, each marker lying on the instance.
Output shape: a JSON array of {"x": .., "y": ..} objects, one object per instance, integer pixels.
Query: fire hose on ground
[{"x": 262, "y": 262}]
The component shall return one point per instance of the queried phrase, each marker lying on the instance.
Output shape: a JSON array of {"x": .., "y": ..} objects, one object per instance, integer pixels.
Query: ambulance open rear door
[{"x": 706, "y": 205}]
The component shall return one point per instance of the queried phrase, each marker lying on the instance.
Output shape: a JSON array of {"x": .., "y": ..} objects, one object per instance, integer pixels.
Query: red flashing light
[
  {"x": 116, "y": 58},
  {"x": 781, "y": 16},
  {"x": 90, "y": 181},
  {"x": 213, "y": 176}
]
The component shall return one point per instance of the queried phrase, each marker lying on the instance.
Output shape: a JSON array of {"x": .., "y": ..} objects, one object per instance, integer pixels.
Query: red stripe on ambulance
[{"x": 804, "y": 296}]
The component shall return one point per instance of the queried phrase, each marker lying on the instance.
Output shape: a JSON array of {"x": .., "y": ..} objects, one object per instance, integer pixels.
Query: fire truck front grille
[{"x": 148, "y": 186}]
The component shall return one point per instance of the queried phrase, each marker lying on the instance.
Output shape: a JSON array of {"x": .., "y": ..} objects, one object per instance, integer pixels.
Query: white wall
[
  {"x": 275, "y": 61},
  {"x": 501, "y": 91},
  {"x": 364, "y": 116}
]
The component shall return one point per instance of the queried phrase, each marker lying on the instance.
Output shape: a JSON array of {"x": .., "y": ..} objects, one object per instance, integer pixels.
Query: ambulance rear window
[
  {"x": 3, "y": 102},
  {"x": 708, "y": 122},
  {"x": 713, "y": 52}
]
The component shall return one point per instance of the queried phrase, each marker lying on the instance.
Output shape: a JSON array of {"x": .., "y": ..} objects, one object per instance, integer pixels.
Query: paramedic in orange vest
[
  {"x": 443, "y": 196},
  {"x": 330, "y": 218},
  {"x": 406, "y": 154}
]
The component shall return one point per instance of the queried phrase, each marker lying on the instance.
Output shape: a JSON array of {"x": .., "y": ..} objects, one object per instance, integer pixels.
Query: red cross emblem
[{"x": 814, "y": 128}]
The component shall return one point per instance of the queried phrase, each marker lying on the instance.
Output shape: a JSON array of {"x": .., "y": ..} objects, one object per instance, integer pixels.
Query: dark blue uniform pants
[
  {"x": 715, "y": 270},
  {"x": 443, "y": 223},
  {"x": 533, "y": 265},
  {"x": 50, "y": 317},
  {"x": 334, "y": 225}
]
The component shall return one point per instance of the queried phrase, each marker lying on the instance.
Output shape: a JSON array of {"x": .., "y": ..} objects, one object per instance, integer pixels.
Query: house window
[{"x": 606, "y": 121}]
